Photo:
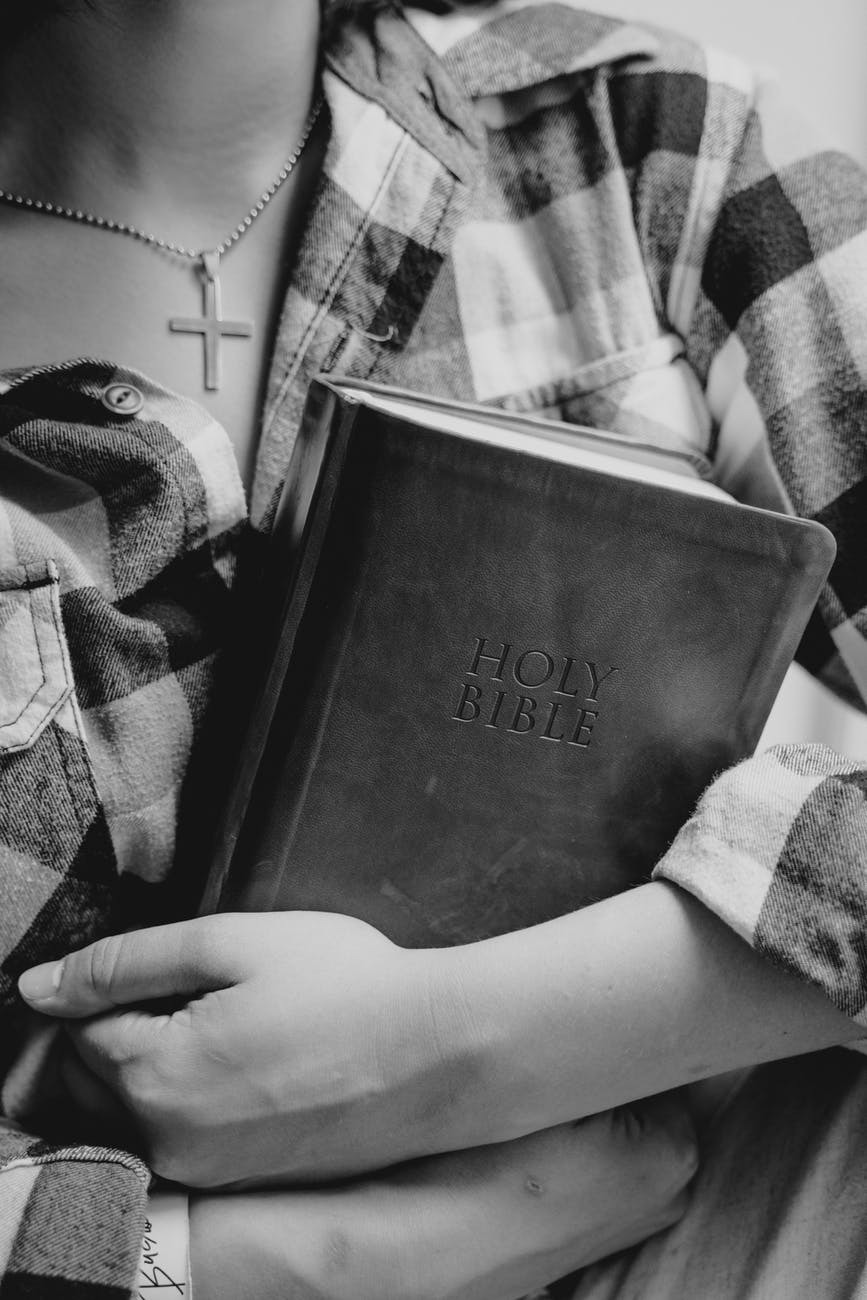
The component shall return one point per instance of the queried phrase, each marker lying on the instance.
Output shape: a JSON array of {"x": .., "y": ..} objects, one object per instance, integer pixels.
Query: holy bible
[{"x": 503, "y": 657}]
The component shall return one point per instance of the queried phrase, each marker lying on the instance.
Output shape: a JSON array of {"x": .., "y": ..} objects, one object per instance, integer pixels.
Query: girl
[{"x": 539, "y": 208}]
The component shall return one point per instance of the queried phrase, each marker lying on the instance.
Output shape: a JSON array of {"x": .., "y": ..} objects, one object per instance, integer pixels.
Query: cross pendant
[{"x": 210, "y": 324}]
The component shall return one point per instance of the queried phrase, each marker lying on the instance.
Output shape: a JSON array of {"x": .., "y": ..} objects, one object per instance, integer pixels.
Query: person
[{"x": 535, "y": 207}]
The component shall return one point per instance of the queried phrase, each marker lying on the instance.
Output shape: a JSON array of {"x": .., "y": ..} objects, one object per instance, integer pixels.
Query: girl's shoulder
[{"x": 515, "y": 45}]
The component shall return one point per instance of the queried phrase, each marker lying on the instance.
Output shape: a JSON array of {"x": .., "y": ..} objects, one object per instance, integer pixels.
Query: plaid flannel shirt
[{"x": 538, "y": 208}]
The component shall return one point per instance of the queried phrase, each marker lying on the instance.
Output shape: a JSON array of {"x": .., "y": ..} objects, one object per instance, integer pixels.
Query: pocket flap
[{"x": 35, "y": 673}]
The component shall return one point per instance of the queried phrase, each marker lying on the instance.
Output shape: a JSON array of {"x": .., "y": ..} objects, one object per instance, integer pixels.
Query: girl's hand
[
  {"x": 490, "y": 1224},
  {"x": 305, "y": 1045},
  {"x": 297, "y": 1045}
]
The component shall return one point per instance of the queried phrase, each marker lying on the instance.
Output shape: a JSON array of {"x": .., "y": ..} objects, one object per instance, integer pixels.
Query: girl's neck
[{"x": 172, "y": 115}]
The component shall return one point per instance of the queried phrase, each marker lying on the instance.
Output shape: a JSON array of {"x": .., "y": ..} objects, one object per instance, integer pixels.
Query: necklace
[{"x": 210, "y": 325}]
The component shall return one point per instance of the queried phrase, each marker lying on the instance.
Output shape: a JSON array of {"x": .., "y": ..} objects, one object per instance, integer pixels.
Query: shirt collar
[
  {"x": 526, "y": 46},
  {"x": 391, "y": 64},
  {"x": 426, "y": 69}
]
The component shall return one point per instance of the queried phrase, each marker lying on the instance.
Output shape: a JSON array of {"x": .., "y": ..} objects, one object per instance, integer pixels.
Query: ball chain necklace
[{"x": 210, "y": 325}]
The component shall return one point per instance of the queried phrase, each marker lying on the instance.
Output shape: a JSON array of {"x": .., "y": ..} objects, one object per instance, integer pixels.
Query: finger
[
  {"x": 184, "y": 959},
  {"x": 108, "y": 1043},
  {"x": 95, "y": 1114}
]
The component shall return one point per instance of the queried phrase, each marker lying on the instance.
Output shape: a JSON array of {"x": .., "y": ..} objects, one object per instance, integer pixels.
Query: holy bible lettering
[
  {"x": 565, "y": 712},
  {"x": 497, "y": 665}
]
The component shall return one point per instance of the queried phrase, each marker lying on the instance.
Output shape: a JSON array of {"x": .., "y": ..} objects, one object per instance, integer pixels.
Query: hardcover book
[{"x": 503, "y": 658}]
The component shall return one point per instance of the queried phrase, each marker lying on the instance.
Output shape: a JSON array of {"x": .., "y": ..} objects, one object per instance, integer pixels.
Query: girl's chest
[{"x": 71, "y": 291}]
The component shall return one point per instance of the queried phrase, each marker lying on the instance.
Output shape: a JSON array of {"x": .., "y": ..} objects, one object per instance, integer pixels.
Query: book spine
[
  {"x": 294, "y": 548},
  {"x": 806, "y": 558}
]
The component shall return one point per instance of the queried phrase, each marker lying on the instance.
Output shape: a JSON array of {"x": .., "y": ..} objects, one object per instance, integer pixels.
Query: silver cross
[{"x": 210, "y": 324}]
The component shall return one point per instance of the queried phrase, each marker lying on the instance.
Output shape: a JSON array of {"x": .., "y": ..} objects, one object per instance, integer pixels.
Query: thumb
[{"x": 184, "y": 959}]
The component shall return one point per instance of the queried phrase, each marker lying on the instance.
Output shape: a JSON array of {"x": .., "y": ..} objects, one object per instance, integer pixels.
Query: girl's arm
[
  {"x": 306, "y": 1046},
  {"x": 627, "y": 998},
  {"x": 489, "y": 1224}
]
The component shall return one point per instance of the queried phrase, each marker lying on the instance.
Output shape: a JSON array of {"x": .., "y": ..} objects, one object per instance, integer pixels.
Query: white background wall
[
  {"x": 818, "y": 50},
  {"x": 820, "y": 55}
]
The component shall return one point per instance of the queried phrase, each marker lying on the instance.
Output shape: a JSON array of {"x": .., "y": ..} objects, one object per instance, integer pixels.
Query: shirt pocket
[
  {"x": 58, "y": 877},
  {"x": 35, "y": 674}
]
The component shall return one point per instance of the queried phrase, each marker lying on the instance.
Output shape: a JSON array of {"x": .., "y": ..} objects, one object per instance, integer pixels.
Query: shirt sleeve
[
  {"x": 768, "y": 292},
  {"x": 72, "y": 1219},
  {"x": 769, "y": 296}
]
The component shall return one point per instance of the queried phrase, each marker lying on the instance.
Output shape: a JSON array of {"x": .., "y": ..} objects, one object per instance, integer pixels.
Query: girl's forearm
[
  {"x": 629, "y": 997},
  {"x": 309, "y": 1047},
  {"x": 490, "y": 1224}
]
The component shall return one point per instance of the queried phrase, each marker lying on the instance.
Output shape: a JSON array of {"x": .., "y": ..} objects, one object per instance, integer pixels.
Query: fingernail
[{"x": 41, "y": 982}]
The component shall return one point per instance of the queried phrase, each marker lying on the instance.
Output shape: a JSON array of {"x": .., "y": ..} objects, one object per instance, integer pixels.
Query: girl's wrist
[
  {"x": 630, "y": 997},
  {"x": 487, "y": 1081}
]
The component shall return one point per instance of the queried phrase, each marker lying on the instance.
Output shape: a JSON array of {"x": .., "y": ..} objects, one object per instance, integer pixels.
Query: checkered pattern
[
  {"x": 777, "y": 848},
  {"x": 116, "y": 557},
  {"x": 115, "y": 536},
  {"x": 68, "y": 1220},
  {"x": 538, "y": 208}
]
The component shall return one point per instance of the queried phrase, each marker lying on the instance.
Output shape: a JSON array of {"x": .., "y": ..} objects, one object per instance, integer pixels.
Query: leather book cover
[{"x": 497, "y": 682}]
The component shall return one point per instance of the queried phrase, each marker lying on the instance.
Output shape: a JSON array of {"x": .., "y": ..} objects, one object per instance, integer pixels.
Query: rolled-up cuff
[{"x": 777, "y": 848}]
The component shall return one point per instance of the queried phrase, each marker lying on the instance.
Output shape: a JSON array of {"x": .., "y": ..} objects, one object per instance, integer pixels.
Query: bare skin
[
  {"x": 309, "y": 1046},
  {"x": 126, "y": 109},
  {"x": 174, "y": 117},
  {"x": 494, "y": 1223}
]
